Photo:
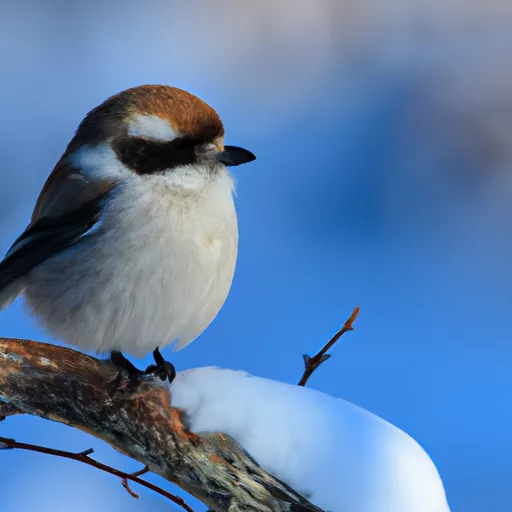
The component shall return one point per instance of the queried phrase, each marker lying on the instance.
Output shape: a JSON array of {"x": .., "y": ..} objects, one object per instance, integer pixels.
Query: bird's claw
[
  {"x": 162, "y": 369},
  {"x": 163, "y": 372},
  {"x": 128, "y": 375},
  {"x": 120, "y": 362}
]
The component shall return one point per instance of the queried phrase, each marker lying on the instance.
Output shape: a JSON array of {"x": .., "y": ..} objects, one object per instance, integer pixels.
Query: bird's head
[{"x": 156, "y": 130}]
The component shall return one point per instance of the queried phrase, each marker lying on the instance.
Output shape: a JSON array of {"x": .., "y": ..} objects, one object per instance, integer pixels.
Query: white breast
[{"x": 159, "y": 268}]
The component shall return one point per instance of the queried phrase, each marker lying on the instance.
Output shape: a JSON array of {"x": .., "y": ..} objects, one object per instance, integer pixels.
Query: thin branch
[
  {"x": 126, "y": 485},
  {"x": 312, "y": 363},
  {"x": 86, "y": 453},
  {"x": 6, "y": 443}
]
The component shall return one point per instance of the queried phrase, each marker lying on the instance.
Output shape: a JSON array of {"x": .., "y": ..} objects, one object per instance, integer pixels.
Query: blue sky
[{"x": 370, "y": 189}]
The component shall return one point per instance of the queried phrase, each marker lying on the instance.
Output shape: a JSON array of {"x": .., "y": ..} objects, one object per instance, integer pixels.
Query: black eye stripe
[{"x": 146, "y": 157}]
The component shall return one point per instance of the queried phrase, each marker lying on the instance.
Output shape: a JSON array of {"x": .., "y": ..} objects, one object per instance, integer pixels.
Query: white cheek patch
[
  {"x": 151, "y": 127},
  {"x": 96, "y": 162}
]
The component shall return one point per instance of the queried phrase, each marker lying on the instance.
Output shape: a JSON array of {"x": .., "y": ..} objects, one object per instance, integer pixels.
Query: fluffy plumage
[
  {"x": 133, "y": 239},
  {"x": 342, "y": 457},
  {"x": 167, "y": 262}
]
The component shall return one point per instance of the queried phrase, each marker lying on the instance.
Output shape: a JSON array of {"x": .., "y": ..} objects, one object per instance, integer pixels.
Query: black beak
[{"x": 233, "y": 155}]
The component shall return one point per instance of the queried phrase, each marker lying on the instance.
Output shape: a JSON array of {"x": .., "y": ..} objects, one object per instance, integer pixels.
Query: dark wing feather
[
  {"x": 48, "y": 236},
  {"x": 68, "y": 206}
]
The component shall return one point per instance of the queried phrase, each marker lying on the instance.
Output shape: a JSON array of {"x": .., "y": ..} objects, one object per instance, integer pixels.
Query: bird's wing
[
  {"x": 68, "y": 207},
  {"x": 65, "y": 190}
]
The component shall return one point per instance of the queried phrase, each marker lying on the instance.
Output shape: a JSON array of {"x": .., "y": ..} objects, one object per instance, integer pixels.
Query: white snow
[{"x": 340, "y": 456}]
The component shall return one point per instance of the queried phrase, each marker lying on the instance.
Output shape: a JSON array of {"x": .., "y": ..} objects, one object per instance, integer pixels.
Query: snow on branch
[{"x": 135, "y": 417}]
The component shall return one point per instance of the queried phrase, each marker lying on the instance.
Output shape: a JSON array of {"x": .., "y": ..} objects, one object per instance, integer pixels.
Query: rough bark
[{"x": 137, "y": 419}]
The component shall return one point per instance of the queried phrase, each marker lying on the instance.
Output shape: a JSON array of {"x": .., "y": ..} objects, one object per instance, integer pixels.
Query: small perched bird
[{"x": 133, "y": 240}]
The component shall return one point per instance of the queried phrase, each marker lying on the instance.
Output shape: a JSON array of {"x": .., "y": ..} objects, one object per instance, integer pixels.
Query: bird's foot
[
  {"x": 162, "y": 368},
  {"x": 128, "y": 374},
  {"x": 120, "y": 362}
]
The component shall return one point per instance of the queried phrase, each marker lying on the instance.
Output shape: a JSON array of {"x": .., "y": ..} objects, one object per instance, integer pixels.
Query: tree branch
[
  {"x": 312, "y": 363},
  {"x": 137, "y": 419}
]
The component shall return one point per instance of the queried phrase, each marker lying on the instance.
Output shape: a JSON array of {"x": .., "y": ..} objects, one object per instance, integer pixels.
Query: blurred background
[{"x": 383, "y": 130}]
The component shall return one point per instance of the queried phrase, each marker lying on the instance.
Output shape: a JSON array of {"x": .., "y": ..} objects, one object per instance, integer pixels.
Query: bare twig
[
  {"x": 7, "y": 443},
  {"x": 126, "y": 485},
  {"x": 312, "y": 363},
  {"x": 86, "y": 453}
]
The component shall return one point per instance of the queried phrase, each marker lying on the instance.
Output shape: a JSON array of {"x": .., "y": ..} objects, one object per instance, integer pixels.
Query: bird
[{"x": 133, "y": 240}]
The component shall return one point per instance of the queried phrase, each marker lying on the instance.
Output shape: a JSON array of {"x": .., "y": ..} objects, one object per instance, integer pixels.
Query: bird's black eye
[{"x": 146, "y": 157}]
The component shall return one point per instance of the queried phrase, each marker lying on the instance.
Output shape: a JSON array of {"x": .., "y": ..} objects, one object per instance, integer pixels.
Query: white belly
[{"x": 159, "y": 268}]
